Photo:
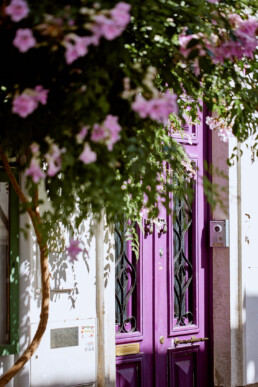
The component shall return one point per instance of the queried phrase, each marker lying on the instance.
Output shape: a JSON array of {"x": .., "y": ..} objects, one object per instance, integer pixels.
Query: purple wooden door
[{"x": 162, "y": 301}]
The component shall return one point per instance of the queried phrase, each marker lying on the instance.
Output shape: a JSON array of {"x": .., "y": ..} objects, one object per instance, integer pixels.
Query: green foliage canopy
[{"x": 146, "y": 58}]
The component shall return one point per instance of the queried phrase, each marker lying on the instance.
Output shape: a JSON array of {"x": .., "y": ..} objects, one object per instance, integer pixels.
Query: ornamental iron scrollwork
[
  {"x": 125, "y": 283},
  {"x": 183, "y": 262}
]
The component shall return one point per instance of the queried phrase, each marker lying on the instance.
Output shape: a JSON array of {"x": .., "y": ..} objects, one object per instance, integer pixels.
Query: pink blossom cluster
[
  {"x": 25, "y": 103},
  {"x": 158, "y": 109},
  {"x": 223, "y": 47},
  {"x": 184, "y": 40},
  {"x": 88, "y": 155},
  {"x": 107, "y": 133},
  {"x": 113, "y": 25},
  {"x": 34, "y": 170},
  {"x": 76, "y": 46},
  {"x": 108, "y": 24},
  {"x": 82, "y": 134},
  {"x": 245, "y": 43},
  {"x": 224, "y": 130},
  {"x": 24, "y": 39},
  {"x": 17, "y": 10},
  {"x": 53, "y": 158}
]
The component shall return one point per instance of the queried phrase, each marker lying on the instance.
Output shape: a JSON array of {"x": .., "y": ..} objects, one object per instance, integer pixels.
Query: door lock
[{"x": 190, "y": 341}]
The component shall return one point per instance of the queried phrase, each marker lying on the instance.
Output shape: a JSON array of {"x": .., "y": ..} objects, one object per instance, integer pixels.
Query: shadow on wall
[
  {"x": 251, "y": 306},
  {"x": 64, "y": 286},
  {"x": 244, "y": 347}
]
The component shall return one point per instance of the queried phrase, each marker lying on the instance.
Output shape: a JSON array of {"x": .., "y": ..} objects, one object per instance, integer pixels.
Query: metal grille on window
[
  {"x": 126, "y": 279},
  {"x": 183, "y": 262}
]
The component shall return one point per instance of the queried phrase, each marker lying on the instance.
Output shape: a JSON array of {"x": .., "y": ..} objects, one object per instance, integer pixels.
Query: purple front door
[{"x": 162, "y": 301}]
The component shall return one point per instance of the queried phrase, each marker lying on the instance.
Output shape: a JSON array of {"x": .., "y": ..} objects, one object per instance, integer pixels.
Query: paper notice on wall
[
  {"x": 87, "y": 333},
  {"x": 64, "y": 337}
]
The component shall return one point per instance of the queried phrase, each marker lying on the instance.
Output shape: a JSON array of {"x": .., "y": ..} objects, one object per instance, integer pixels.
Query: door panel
[
  {"x": 130, "y": 373},
  {"x": 173, "y": 289},
  {"x": 183, "y": 367}
]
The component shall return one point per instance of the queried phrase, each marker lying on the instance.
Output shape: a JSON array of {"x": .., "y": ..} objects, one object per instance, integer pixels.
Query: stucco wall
[
  {"x": 72, "y": 303},
  {"x": 235, "y": 271},
  {"x": 221, "y": 274},
  {"x": 249, "y": 246}
]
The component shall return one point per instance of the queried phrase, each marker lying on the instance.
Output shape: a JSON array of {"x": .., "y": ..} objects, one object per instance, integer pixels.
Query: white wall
[
  {"x": 249, "y": 245},
  {"x": 72, "y": 304},
  {"x": 235, "y": 272}
]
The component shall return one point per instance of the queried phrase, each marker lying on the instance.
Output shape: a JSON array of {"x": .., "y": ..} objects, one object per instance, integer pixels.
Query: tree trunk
[{"x": 36, "y": 221}]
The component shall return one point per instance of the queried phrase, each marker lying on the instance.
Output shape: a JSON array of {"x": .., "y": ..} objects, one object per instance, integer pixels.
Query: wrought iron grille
[
  {"x": 183, "y": 262},
  {"x": 126, "y": 279}
]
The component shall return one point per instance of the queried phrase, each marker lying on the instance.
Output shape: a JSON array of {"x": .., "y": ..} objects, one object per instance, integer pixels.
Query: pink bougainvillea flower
[
  {"x": 158, "y": 109},
  {"x": 106, "y": 27},
  {"x": 73, "y": 250},
  {"x": 88, "y": 156},
  {"x": 41, "y": 94},
  {"x": 234, "y": 19},
  {"x": 54, "y": 166},
  {"x": 121, "y": 14},
  {"x": 28, "y": 101},
  {"x": 81, "y": 44},
  {"x": 221, "y": 126},
  {"x": 141, "y": 106},
  {"x": 17, "y": 10},
  {"x": 23, "y": 105},
  {"x": 34, "y": 147},
  {"x": 183, "y": 42},
  {"x": 112, "y": 129},
  {"x": 113, "y": 25},
  {"x": 223, "y": 47},
  {"x": 71, "y": 53},
  {"x": 76, "y": 46},
  {"x": 246, "y": 32},
  {"x": 35, "y": 171},
  {"x": 98, "y": 133},
  {"x": 24, "y": 39},
  {"x": 94, "y": 39},
  {"x": 108, "y": 132},
  {"x": 53, "y": 158},
  {"x": 244, "y": 44},
  {"x": 82, "y": 134}
]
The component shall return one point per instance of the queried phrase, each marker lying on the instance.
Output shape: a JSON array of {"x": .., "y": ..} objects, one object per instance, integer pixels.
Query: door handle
[{"x": 190, "y": 341}]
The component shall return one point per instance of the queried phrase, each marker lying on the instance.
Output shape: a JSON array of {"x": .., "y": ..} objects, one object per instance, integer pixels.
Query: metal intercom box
[{"x": 219, "y": 233}]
